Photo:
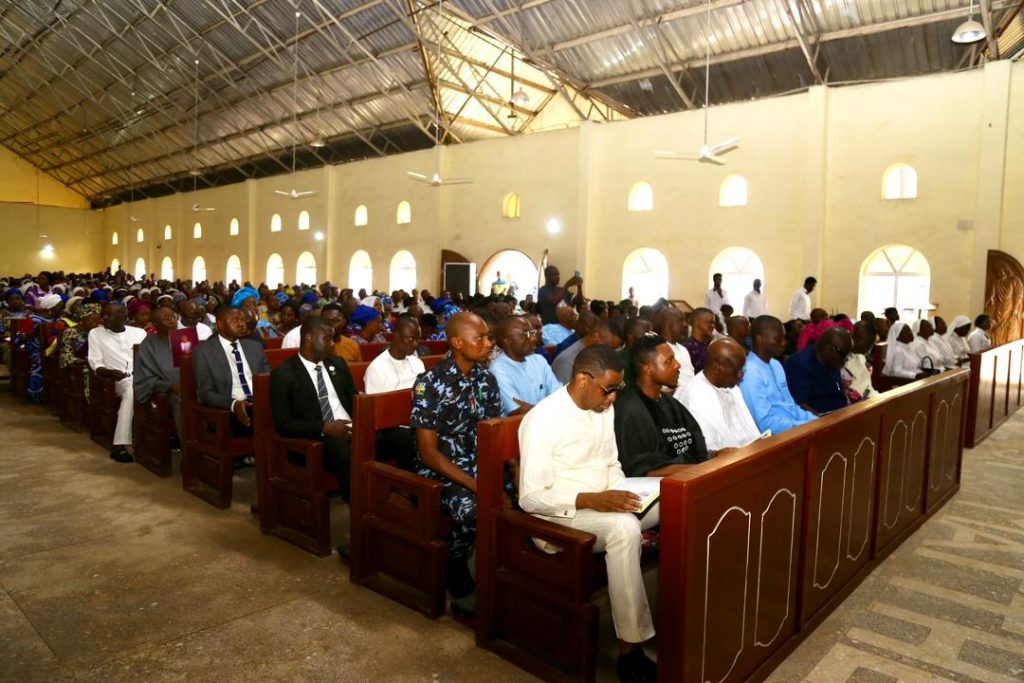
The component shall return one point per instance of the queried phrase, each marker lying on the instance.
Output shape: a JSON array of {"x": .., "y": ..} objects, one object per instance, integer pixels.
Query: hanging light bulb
[
  {"x": 318, "y": 142},
  {"x": 970, "y": 31},
  {"x": 520, "y": 98}
]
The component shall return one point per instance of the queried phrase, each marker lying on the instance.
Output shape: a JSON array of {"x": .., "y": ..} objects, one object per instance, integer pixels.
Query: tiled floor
[{"x": 108, "y": 573}]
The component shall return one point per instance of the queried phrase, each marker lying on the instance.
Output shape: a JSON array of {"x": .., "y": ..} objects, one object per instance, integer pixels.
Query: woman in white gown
[
  {"x": 938, "y": 340},
  {"x": 956, "y": 337},
  {"x": 924, "y": 345},
  {"x": 900, "y": 359}
]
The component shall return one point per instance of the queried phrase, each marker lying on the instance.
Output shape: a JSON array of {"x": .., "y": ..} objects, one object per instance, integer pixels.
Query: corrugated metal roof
[{"x": 101, "y": 94}]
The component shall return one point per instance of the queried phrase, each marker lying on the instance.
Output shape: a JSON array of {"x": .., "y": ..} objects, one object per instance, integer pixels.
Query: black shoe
[
  {"x": 464, "y": 607},
  {"x": 635, "y": 667},
  {"x": 457, "y": 578},
  {"x": 121, "y": 455},
  {"x": 344, "y": 552}
]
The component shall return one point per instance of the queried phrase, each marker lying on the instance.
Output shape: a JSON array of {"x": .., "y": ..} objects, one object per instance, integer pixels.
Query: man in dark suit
[
  {"x": 224, "y": 366},
  {"x": 311, "y": 397}
]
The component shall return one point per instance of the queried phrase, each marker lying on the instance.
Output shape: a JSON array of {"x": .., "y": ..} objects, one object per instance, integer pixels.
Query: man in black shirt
[
  {"x": 655, "y": 434},
  {"x": 550, "y": 295}
]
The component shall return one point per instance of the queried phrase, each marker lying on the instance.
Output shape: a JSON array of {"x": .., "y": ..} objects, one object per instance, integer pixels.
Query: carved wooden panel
[
  {"x": 840, "y": 509},
  {"x": 901, "y": 467},
  {"x": 1004, "y": 297},
  {"x": 945, "y": 445}
]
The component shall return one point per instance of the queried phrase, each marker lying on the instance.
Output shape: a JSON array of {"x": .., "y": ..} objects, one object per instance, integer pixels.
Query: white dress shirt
[
  {"x": 293, "y": 339},
  {"x": 685, "y": 370},
  {"x": 754, "y": 305},
  {"x": 387, "y": 373},
  {"x": 237, "y": 393},
  {"x": 113, "y": 350},
  {"x": 713, "y": 300},
  {"x": 723, "y": 415},
  {"x": 565, "y": 451},
  {"x": 800, "y": 305},
  {"x": 978, "y": 340},
  {"x": 337, "y": 409},
  {"x": 860, "y": 375}
]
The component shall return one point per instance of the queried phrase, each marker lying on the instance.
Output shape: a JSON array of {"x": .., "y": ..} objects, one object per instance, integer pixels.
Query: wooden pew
[
  {"x": 103, "y": 406},
  {"x": 152, "y": 431},
  {"x": 50, "y": 363},
  {"x": 533, "y": 607},
  {"x": 438, "y": 347},
  {"x": 72, "y": 407},
  {"x": 294, "y": 489},
  {"x": 358, "y": 372},
  {"x": 371, "y": 351},
  {"x": 760, "y": 545},
  {"x": 398, "y": 536},
  {"x": 209, "y": 449},
  {"x": 997, "y": 377},
  {"x": 20, "y": 364},
  {"x": 272, "y": 343}
]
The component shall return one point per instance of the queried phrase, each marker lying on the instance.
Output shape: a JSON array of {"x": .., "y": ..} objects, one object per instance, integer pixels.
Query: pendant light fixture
[
  {"x": 293, "y": 193},
  {"x": 519, "y": 97},
  {"x": 195, "y": 172},
  {"x": 970, "y": 31}
]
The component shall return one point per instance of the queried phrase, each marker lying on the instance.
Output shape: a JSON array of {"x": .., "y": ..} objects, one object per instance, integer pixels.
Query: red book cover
[{"x": 182, "y": 342}]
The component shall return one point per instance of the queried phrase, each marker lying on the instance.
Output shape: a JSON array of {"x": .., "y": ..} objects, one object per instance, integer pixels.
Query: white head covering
[
  {"x": 890, "y": 346},
  {"x": 49, "y": 301},
  {"x": 958, "y": 321},
  {"x": 370, "y": 301},
  {"x": 915, "y": 327}
]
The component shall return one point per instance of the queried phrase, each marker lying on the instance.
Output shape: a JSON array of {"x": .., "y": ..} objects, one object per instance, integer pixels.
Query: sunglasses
[{"x": 607, "y": 391}]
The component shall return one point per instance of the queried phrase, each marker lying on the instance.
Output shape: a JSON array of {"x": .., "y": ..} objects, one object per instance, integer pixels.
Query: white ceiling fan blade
[
  {"x": 712, "y": 159},
  {"x": 283, "y": 193},
  {"x": 455, "y": 181},
  {"x": 418, "y": 176},
  {"x": 726, "y": 146},
  {"x": 302, "y": 194},
  {"x": 678, "y": 156}
]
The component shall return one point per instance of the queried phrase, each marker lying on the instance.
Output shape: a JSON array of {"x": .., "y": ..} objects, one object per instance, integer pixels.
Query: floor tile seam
[
  {"x": 144, "y": 647},
  {"x": 14, "y": 601}
]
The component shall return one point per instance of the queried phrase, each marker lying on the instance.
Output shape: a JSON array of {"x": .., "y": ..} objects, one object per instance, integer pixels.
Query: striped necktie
[
  {"x": 321, "y": 393},
  {"x": 240, "y": 369}
]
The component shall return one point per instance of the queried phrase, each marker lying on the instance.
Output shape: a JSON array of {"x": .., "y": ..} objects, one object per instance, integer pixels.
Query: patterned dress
[{"x": 450, "y": 403}]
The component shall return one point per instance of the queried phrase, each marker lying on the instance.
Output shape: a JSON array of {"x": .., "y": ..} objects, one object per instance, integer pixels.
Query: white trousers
[
  {"x": 618, "y": 535},
  {"x": 123, "y": 431}
]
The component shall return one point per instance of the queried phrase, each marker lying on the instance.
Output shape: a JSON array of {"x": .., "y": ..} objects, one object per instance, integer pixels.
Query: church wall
[
  {"x": 23, "y": 182},
  {"x": 1012, "y": 236},
  {"x": 75, "y": 235}
]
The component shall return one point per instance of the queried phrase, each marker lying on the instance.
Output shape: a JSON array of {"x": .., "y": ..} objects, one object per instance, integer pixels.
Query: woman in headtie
[
  {"x": 368, "y": 320},
  {"x": 956, "y": 337},
  {"x": 74, "y": 343},
  {"x": 444, "y": 309},
  {"x": 900, "y": 359},
  {"x": 247, "y": 298},
  {"x": 13, "y": 311},
  {"x": 139, "y": 314},
  {"x": 46, "y": 311}
]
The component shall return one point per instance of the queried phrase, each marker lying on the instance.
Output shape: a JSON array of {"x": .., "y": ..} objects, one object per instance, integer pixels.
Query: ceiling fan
[
  {"x": 293, "y": 193},
  {"x": 435, "y": 179},
  {"x": 197, "y": 207},
  {"x": 710, "y": 154}
]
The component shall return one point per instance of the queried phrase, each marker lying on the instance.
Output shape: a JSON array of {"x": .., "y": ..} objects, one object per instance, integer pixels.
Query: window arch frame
[
  {"x": 511, "y": 206},
  {"x": 906, "y": 182},
  {"x": 275, "y": 223},
  {"x": 199, "y": 269},
  {"x": 233, "y": 227},
  {"x": 646, "y": 290},
  {"x": 523, "y": 273},
  {"x": 403, "y": 213},
  {"x": 114, "y": 265},
  {"x": 640, "y": 198},
  {"x": 167, "y": 269},
  {"x": 140, "y": 235},
  {"x": 360, "y": 273},
  {"x": 275, "y": 270},
  {"x": 730, "y": 189},
  {"x": 304, "y": 220},
  {"x": 197, "y": 230},
  {"x": 398, "y": 272},
  {"x": 868, "y": 300},
  {"x": 114, "y": 239},
  {"x": 361, "y": 216},
  {"x": 168, "y": 232},
  {"x": 233, "y": 270},
  {"x": 738, "y": 280},
  {"x": 300, "y": 266},
  {"x": 140, "y": 265}
]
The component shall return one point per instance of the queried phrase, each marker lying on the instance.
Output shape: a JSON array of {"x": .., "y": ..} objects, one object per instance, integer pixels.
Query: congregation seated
[
  {"x": 111, "y": 354},
  {"x": 926, "y": 346},
  {"x": 551, "y": 295},
  {"x": 566, "y": 317},
  {"x": 584, "y": 325},
  {"x": 369, "y": 321},
  {"x": 702, "y": 331},
  {"x": 398, "y": 366},
  {"x": 311, "y": 398},
  {"x": 942, "y": 345},
  {"x": 224, "y": 365},
  {"x": 715, "y": 401},
  {"x": 764, "y": 386},
  {"x": 814, "y": 376},
  {"x": 632, "y": 330},
  {"x": 74, "y": 341},
  {"x": 978, "y": 340},
  {"x": 670, "y": 323},
  {"x": 738, "y": 328},
  {"x": 155, "y": 371},
  {"x": 524, "y": 377},
  {"x": 569, "y": 468},
  {"x": 901, "y": 361},
  {"x": 956, "y": 337},
  {"x": 656, "y": 435},
  {"x": 447, "y": 402},
  {"x": 191, "y": 315},
  {"x": 857, "y": 370},
  {"x": 598, "y": 333}
]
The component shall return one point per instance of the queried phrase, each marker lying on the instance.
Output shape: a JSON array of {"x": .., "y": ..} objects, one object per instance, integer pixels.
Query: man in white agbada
[
  {"x": 800, "y": 302},
  {"x": 754, "y": 304},
  {"x": 717, "y": 403},
  {"x": 568, "y": 467},
  {"x": 716, "y": 297},
  {"x": 111, "y": 355}
]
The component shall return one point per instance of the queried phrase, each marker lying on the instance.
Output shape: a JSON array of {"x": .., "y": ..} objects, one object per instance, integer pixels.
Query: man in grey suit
[{"x": 224, "y": 366}]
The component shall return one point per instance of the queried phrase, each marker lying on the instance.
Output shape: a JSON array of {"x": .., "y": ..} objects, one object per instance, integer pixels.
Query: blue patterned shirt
[{"x": 450, "y": 403}]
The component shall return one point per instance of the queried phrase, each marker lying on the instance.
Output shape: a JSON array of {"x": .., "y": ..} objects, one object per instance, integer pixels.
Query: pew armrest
[
  {"x": 307, "y": 476},
  {"x": 401, "y": 499},
  {"x": 569, "y": 570}
]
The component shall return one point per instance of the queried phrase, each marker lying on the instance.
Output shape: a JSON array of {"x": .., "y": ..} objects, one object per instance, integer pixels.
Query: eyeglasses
[
  {"x": 530, "y": 334},
  {"x": 607, "y": 391}
]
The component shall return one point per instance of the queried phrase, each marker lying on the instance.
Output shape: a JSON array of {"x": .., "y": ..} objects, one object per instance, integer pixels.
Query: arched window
[
  {"x": 197, "y": 231},
  {"x": 140, "y": 235},
  {"x": 198, "y": 269},
  {"x": 362, "y": 216},
  {"x": 113, "y": 239},
  {"x": 517, "y": 269},
  {"x": 733, "y": 191},
  {"x": 305, "y": 269},
  {"x": 403, "y": 271},
  {"x": 233, "y": 228},
  {"x": 234, "y": 270},
  {"x": 304, "y": 220},
  {"x": 360, "y": 272},
  {"x": 168, "y": 233},
  {"x": 403, "y": 215},
  {"x": 895, "y": 275},
  {"x": 646, "y": 271},
  {"x": 140, "y": 269},
  {"x": 739, "y": 267},
  {"x": 275, "y": 223},
  {"x": 641, "y": 197},
  {"x": 899, "y": 182},
  {"x": 275, "y": 270},
  {"x": 115, "y": 265},
  {"x": 166, "y": 269},
  {"x": 511, "y": 206}
]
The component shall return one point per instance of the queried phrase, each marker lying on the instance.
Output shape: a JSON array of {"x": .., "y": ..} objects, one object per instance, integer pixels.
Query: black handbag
[{"x": 930, "y": 368}]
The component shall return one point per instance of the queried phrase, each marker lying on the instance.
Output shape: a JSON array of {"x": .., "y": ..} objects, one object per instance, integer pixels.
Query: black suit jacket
[
  {"x": 214, "y": 373},
  {"x": 294, "y": 401}
]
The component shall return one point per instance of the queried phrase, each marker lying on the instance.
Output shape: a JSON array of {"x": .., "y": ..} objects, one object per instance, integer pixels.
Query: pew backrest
[
  {"x": 370, "y": 351},
  {"x": 272, "y": 343},
  {"x": 437, "y": 346},
  {"x": 996, "y": 389}
]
